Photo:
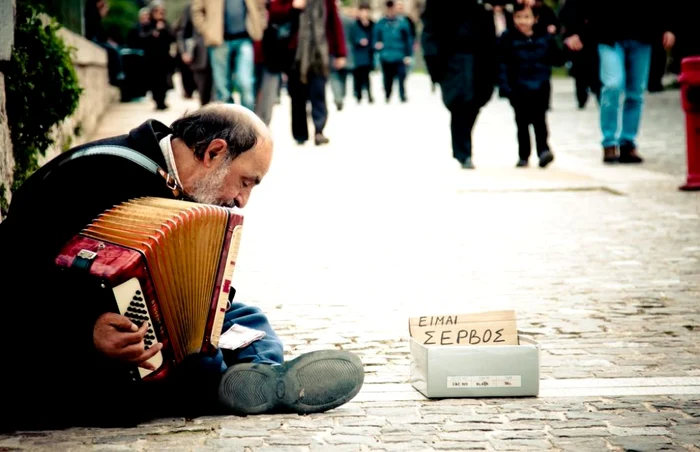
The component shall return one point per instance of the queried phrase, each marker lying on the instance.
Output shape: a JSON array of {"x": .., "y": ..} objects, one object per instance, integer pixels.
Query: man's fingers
[
  {"x": 127, "y": 339},
  {"x": 148, "y": 354},
  {"x": 120, "y": 322},
  {"x": 132, "y": 353}
]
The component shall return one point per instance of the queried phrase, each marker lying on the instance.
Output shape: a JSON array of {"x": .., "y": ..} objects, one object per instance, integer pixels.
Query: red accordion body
[{"x": 165, "y": 262}]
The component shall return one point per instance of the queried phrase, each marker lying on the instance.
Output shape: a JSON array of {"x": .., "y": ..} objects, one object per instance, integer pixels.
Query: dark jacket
[
  {"x": 52, "y": 315},
  {"x": 395, "y": 35},
  {"x": 611, "y": 21},
  {"x": 281, "y": 11},
  {"x": 363, "y": 55},
  {"x": 459, "y": 47},
  {"x": 526, "y": 62}
]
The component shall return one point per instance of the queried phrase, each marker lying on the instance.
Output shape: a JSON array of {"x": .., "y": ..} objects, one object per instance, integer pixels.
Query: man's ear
[{"x": 216, "y": 152}]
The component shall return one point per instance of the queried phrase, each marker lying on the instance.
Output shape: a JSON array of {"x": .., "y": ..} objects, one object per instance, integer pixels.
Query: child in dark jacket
[
  {"x": 361, "y": 38},
  {"x": 527, "y": 57}
]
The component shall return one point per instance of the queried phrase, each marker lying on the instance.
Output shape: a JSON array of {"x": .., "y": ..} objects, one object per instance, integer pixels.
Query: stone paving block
[
  {"x": 645, "y": 420},
  {"x": 276, "y": 448},
  {"x": 638, "y": 431},
  {"x": 594, "y": 421},
  {"x": 357, "y": 430},
  {"x": 523, "y": 444},
  {"x": 337, "y": 447},
  {"x": 291, "y": 439},
  {"x": 580, "y": 432},
  {"x": 350, "y": 439},
  {"x": 479, "y": 418},
  {"x": 533, "y": 416},
  {"x": 459, "y": 445},
  {"x": 409, "y": 444},
  {"x": 581, "y": 444},
  {"x": 644, "y": 443},
  {"x": 234, "y": 443},
  {"x": 366, "y": 421},
  {"x": 518, "y": 434},
  {"x": 227, "y": 432},
  {"x": 462, "y": 436}
]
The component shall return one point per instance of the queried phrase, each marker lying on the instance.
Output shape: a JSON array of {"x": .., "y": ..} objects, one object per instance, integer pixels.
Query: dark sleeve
[
  {"x": 574, "y": 17},
  {"x": 555, "y": 52},
  {"x": 504, "y": 65},
  {"x": 281, "y": 11},
  {"x": 408, "y": 51},
  {"x": 336, "y": 34},
  {"x": 184, "y": 31},
  {"x": 433, "y": 53},
  {"x": 60, "y": 306}
]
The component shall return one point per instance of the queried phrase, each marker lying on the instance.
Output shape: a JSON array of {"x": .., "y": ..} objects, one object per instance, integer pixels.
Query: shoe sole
[{"x": 312, "y": 383}]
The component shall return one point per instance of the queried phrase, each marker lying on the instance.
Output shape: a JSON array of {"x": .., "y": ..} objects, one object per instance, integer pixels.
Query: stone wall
[
  {"x": 90, "y": 61},
  {"x": 7, "y": 26}
]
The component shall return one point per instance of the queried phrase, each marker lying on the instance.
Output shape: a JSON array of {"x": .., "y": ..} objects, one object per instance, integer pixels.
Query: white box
[{"x": 452, "y": 371}]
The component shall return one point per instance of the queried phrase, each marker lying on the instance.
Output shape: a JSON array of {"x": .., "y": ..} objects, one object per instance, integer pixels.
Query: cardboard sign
[{"x": 484, "y": 328}]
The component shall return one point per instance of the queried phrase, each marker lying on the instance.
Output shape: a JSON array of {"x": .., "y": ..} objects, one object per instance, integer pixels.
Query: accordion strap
[{"x": 133, "y": 156}]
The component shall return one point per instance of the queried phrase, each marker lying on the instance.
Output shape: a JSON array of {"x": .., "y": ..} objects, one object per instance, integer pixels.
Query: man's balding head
[{"x": 222, "y": 151}]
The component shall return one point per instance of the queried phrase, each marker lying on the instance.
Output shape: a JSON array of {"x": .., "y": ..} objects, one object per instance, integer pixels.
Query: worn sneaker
[
  {"x": 312, "y": 383},
  {"x": 522, "y": 163}
]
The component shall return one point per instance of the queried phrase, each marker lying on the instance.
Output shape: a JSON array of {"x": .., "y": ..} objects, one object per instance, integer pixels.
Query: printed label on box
[{"x": 489, "y": 381}]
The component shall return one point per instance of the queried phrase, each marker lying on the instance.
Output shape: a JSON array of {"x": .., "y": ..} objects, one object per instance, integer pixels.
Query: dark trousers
[
  {"x": 360, "y": 78},
  {"x": 315, "y": 92},
  {"x": 105, "y": 396},
  {"x": 187, "y": 77},
  {"x": 657, "y": 68},
  {"x": 205, "y": 84},
  {"x": 530, "y": 108},
  {"x": 159, "y": 91},
  {"x": 463, "y": 118},
  {"x": 391, "y": 71}
]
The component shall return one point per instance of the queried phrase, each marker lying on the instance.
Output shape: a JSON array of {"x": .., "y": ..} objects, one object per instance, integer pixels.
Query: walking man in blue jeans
[
  {"x": 623, "y": 31},
  {"x": 229, "y": 28}
]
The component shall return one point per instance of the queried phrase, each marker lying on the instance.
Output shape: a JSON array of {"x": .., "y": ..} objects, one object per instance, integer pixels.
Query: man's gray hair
[{"x": 200, "y": 128}]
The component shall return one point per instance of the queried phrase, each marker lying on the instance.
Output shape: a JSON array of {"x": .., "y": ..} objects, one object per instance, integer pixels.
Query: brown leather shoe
[
  {"x": 628, "y": 154},
  {"x": 610, "y": 154}
]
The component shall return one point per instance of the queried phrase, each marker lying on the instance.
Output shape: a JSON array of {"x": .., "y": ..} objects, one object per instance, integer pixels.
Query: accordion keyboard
[{"x": 132, "y": 305}]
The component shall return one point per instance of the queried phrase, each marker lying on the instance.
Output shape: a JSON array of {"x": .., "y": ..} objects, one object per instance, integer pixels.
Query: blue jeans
[
  {"x": 624, "y": 68},
  {"x": 234, "y": 58}
]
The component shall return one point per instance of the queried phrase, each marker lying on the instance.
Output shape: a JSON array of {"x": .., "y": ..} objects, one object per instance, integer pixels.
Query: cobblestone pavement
[{"x": 343, "y": 243}]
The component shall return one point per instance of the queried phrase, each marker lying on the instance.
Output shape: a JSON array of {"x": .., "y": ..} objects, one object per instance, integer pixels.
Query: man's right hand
[
  {"x": 299, "y": 4},
  {"x": 186, "y": 58},
  {"x": 117, "y": 337},
  {"x": 574, "y": 43},
  {"x": 364, "y": 42}
]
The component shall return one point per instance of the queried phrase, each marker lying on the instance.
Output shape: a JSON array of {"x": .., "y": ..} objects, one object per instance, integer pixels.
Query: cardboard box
[{"x": 442, "y": 366}]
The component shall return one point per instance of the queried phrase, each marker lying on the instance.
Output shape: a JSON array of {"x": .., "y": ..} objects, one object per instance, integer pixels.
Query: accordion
[{"x": 165, "y": 262}]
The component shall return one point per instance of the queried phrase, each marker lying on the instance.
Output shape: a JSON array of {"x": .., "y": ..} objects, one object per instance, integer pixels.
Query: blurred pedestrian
[
  {"x": 229, "y": 28},
  {"x": 624, "y": 32},
  {"x": 527, "y": 54},
  {"x": 361, "y": 39},
  {"x": 459, "y": 47},
  {"x": 339, "y": 76},
  {"x": 193, "y": 53},
  {"x": 394, "y": 44}
]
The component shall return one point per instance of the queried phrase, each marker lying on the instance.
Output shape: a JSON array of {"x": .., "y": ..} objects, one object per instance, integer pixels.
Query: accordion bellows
[{"x": 165, "y": 262}]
